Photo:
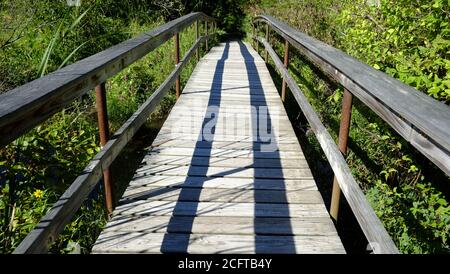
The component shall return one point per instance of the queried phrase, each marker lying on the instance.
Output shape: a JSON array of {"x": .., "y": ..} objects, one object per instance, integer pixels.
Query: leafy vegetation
[{"x": 410, "y": 41}]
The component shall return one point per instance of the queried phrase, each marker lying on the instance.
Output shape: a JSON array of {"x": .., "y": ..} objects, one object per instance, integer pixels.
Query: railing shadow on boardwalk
[
  {"x": 255, "y": 81},
  {"x": 183, "y": 242},
  {"x": 188, "y": 208},
  {"x": 214, "y": 103}
]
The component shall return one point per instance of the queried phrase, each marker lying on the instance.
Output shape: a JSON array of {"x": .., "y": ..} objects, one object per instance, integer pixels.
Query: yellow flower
[{"x": 38, "y": 193}]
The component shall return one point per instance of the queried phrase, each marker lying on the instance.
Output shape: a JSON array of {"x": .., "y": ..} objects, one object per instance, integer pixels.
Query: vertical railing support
[
  {"x": 254, "y": 36},
  {"x": 344, "y": 130},
  {"x": 206, "y": 33},
  {"x": 267, "y": 39},
  {"x": 197, "y": 51},
  {"x": 286, "y": 64},
  {"x": 177, "y": 61},
  {"x": 256, "y": 40},
  {"x": 102, "y": 115}
]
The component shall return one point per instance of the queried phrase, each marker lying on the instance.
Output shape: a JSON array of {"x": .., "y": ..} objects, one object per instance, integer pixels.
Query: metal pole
[
  {"x": 197, "y": 51},
  {"x": 344, "y": 130},
  {"x": 177, "y": 60},
  {"x": 253, "y": 31},
  {"x": 267, "y": 39},
  {"x": 206, "y": 30},
  {"x": 286, "y": 64},
  {"x": 257, "y": 42},
  {"x": 102, "y": 114}
]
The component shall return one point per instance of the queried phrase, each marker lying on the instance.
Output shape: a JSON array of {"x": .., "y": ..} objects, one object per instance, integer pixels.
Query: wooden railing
[
  {"x": 24, "y": 107},
  {"x": 421, "y": 120}
]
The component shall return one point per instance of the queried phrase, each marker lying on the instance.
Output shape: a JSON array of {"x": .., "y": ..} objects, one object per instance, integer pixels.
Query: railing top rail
[
  {"x": 26, "y": 106},
  {"x": 418, "y": 110}
]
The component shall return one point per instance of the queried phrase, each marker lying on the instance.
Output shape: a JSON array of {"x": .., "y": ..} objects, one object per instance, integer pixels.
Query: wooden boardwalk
[{"x": 225, "y": 174}]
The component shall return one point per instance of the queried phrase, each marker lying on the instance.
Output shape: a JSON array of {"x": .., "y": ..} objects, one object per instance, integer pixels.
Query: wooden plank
[
  {"x": 370, "y": 224},
  {"x": 134, "y": 242},
  {"x": 220, "y": 182},
  {"x": 227, "y": 125},
  {"x": 167, "y": 136},
  {"x": 164, "y": 137},
  {"x": 154, "y": 193},
  {"x": 218, "y": 225},
  {"x": 226, "y": 153},
  {"x": 158, "y": 208},
  {"x": 230, "y": 172},
  {"x": 171, "y": 160},
  {"x": 286, "y": 144},
  {"x": 203, "y": 110}
]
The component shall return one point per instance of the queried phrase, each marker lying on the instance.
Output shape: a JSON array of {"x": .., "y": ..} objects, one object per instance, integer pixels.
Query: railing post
[
  {"x": 344, "y": 130},
  {"x": 267, "y": 39},
  {"x": 286, "y": 64},
  {"x": 197, "y": 51},
  {"x": 256, "y": 40},
  {"x": 254, "y": 37},
  {"x": 206, "y": 33},
  {"x": 177, "y": 61},
  {"x": 102, "y": 115}
]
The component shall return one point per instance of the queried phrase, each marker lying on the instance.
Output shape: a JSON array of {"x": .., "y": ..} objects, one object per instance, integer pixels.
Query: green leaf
[{"x": 70, "y": 55}]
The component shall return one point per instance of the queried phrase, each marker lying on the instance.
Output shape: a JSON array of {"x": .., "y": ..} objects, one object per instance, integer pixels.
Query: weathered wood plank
[
  {"x": 164, "y": 137},
  {"x": 255, "y": 154},
  {"x": 154, "y": 193},
  {"x": 133, "y": 242},
  {"x": 218, "y": 225},
  {"x": 281, "y": 145},
  {"x": 171, "y": 160},
  {"x": 230, "y": 172},
  {"x": 220, "y": 182},
  {"x": 180, "y": 208}
]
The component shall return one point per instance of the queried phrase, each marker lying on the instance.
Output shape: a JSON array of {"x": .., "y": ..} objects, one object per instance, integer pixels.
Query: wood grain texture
[
  {"x": 135, "y": 242},
  {"x": 222, "y": 195},
  {"x": 221, "y": 182},
  {"x": 231, "y": 195},
  {"x": 218, "y": 225}
]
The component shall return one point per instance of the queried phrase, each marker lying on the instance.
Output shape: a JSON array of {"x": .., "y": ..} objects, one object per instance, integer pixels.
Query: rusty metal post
[
  {"x": 102, "y": 114},
  {"x": 253, "y": 32},
  {"x": 344, "y": 130},
  {"x": 197, "y": 51},
  {"x": 286, "y": 64},
  {"x": 177, "y": 61},
  {"x": 206, "y": 33},
  {"x": 267, "y": 39},
  {"x": 257, "y": 42}
]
